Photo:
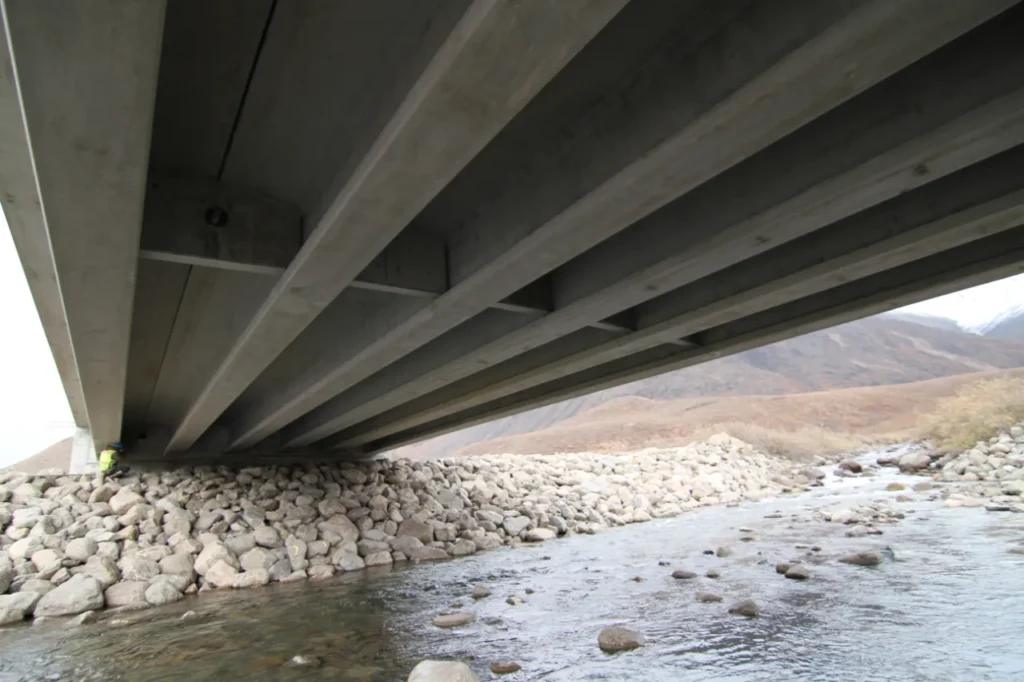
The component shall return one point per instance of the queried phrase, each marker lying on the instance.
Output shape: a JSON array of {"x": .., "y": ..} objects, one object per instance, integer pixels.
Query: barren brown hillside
[
  {"x": 630, "y": 423},
  {"x": 878, "y": 351}
]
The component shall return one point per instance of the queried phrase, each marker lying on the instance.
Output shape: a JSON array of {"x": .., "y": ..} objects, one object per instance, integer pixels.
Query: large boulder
[
  {"x": 137, "y": 567},
  {"x": 267, "y": 536},
  {"x": 80, "y": 549},
  {"x": 80, "y": 593},
  {"x": 178, "y": 564},
  {"x": 254, "y": 578},
  {"x": 257, "y": 558},
  {"x": 614, "y": 638},
  {"x": 914, "y": 461},
  {"x": 16, "y": 607},
  {"x": 162, "y": 592},
  {"x": 213, "y": 552},
  {"x": 129, "y": 593},
  {"x": 514, "y": 525},
  {"x": 103, "y": 569},
  {"x": 123, "y": 500},
  {"x": 221, "y": 574},
  {"x": 417, "y": 529}
]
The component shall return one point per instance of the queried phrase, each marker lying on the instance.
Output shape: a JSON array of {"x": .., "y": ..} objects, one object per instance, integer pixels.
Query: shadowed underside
[{"x": 258, "y": 229}]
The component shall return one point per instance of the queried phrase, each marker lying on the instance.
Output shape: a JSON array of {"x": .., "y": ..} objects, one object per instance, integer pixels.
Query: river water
[{"x": 950, "y": 607}]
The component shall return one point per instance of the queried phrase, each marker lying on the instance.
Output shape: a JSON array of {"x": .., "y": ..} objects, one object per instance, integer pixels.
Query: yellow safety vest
[{"x": 107, "y": 459}]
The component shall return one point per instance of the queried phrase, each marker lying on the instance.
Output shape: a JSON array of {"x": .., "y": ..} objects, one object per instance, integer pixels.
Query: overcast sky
[{"x": 34, "y": 412}]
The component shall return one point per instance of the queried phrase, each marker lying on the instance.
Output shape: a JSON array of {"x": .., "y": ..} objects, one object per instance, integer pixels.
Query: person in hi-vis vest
[{"x": 110, "y": 462}]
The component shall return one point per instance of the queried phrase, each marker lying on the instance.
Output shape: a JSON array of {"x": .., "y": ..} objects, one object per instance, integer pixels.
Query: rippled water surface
[{"x": 951, "y": 607}]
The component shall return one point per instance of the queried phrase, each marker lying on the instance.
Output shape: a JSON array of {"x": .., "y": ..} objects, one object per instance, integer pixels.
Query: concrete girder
[
  {"x": 973, "y": 204},
  {"x": 85, "y": 75},
  {"x": 495, "y": 60},
  {"x": 907, "y": 124},
  {"x": 973, "y": 265},
  {"x": 796, "y": 61}
]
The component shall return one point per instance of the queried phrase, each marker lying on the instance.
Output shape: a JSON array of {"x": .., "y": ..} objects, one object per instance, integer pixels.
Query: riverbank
[
  {"x": 70, "y": 547},
  {"x": 924, "y": 613}
]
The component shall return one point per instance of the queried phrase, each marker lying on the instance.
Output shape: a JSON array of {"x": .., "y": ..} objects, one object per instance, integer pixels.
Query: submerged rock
[
  {"x": 683, "y": 575},
  {"x": 869, "y": 558},
  {"x": 505, "y": 667},
  {"x": 798, "y": 572},
  {"x": 452, "y": 620},
  {"x": 747, "y": 607},
  {"x": 708, "y": 597},
  {"x": 615, "y": 638}
]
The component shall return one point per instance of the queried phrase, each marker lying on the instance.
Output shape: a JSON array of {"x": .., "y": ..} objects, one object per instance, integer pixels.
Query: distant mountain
[
  {"x": 885, "y": 349},
  {"x": 1008, "y": 326},
  {"x": 926, "y": 320}
]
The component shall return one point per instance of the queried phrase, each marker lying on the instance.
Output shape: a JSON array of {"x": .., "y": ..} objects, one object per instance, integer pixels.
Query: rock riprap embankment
[
  {"x": 990, "y": 474},
  {"x": 149, "y": 539}
]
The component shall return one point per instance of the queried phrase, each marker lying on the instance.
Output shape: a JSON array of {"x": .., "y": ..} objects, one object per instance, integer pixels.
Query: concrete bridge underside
[{"x": 261, "y": 229}]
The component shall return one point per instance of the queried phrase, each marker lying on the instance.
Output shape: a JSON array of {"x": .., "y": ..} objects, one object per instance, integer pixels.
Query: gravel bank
[{"x": 69, "y": 546}]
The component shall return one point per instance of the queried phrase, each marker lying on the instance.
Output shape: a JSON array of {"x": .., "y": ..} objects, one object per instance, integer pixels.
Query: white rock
[
  {"x": 80, "y": 549},
  {"x": 221, "y": 574},
  {"x": 256, "y": 577},
  {"x": 162, "y": 592},
  {"x": 16, "y": 607},
  {"x": 213, "y": 552},
  {"x": 137, "y": 567},
  {"x": 124, "y": 500},
  {"x": 539, "y": 535},
  {"x": 442, "y": 671}
]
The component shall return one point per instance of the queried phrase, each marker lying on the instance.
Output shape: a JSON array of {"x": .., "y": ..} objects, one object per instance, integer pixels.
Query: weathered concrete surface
[{"x": 240, "y": 251}]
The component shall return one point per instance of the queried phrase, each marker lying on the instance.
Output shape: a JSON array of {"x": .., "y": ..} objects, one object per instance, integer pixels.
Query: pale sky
[{"x": 34, "y": 412}]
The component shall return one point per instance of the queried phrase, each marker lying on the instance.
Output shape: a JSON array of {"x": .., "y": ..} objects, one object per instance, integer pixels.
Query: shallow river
[{"x": 950, "y": 607}]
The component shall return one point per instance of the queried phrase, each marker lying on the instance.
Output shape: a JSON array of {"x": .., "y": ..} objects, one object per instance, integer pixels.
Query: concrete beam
[
  {"x": 767, "y": 89},
  {"x": 1002, "y": 256},
  {"x": 971, "y": 205},
  {"x": 86, "y": 82},
  {"x": 24, "y": 212},
  {"x": 886, "y": 137},
  {"x": 494, "y": 61},
  {"x": 208, "y": 223}
]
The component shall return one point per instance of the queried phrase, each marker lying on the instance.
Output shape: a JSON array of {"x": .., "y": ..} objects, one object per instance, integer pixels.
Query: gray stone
[
  {"x": 254, "y": 578},
  {"x": 514, "y": 525},
  {"x": 378, "y": 558},
  {"x": 429, "y": 554},
  {"x": 103, "y": 569},
  {"x": 80, "y": 549},
  {"x": 267, "y": 536},
  {"x": 296, "y": 553},
  {"x": 613, "y": 639},
  {"x": 708, "y": 597},
  {"x": 321, "y": 572},
  {"x": 347, "y": 561},
  {"x": 178, "y": 564},
  {"x": 798, "y": 572},
  {"x": 124, "y": 500},
  {"x": 221, "y": 574},
  {"x": 417, "y": 529},
  {"x": 452, "y": 620},
  {"x": 870, "y": 558},
  {"x": 746, "y": 607},
  {"x": 683, "y": 575},
  {"x": 137, "y": 567},
  {"x": 81, "y": 593},
  {"x": 131, "y": 593},
  {"x": 442, "y": 671},
  {"x": 240, "y": 543},
  {"x": 162, "y": 592},
  {"x": 213, "y": 552},
  {"x": 16, "y": 607},
  {"x": 539, "y": 535},
  {"x": 257, "y": 558}
]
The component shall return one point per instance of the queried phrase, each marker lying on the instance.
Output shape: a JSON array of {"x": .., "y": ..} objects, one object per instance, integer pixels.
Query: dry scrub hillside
[
  {"x": 878, "y": 351},
  {"x": 801, "y": 424}
]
